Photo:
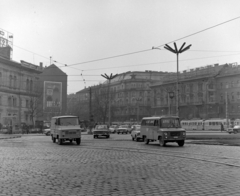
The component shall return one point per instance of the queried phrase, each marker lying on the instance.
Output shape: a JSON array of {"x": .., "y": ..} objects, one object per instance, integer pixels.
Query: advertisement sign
[{"x": 52, "y": 98}]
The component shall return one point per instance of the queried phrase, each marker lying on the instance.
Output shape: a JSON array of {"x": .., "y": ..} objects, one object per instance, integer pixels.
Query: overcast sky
[{"x": 77, "y": 31}]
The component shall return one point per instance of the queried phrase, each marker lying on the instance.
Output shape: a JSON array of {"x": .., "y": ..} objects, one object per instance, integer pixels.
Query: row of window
[
  {"x": 230, "y": 84},
  {"x": 12, "y": 82},
  {"x": 12, "y": 102}
]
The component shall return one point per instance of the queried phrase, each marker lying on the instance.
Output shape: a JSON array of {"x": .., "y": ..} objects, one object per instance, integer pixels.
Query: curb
[{"x": 10, "y": 137}]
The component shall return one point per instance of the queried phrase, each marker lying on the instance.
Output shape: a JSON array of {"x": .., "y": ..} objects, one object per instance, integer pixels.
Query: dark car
[
  {"x": 123, "y": 129},
  {"x": 101, "y": 130}
]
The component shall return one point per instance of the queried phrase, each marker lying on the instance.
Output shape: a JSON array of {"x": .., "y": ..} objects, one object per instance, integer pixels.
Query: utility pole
[
  {"x": 109, "y": 78},
  {"x": 226, "y": 98}
]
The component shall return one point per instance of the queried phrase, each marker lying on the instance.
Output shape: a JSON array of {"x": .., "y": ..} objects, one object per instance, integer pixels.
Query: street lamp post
[
  {"x": 109, "y": 78},
  {"x": 176, "y": 51}
]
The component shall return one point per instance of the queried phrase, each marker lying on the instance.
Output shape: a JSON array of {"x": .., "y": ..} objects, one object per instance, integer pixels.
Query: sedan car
[
  {"x": 124, "y": 129},
  {"x": 136, "y": 133},
  {"x": 47, "y": 131},
  {"x": 113, "y": 128},
  {"x": 101, "y": 130}
]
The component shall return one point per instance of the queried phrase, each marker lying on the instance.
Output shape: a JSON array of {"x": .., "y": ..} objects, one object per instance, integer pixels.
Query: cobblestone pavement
[{"x": 33, "y": 165}]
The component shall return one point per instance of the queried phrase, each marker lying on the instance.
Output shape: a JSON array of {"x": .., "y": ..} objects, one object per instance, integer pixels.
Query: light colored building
[
  {"x": 130, "y": 96},
  {"x": 18, "y": 82},
  {"x": 202, "y": 93}
]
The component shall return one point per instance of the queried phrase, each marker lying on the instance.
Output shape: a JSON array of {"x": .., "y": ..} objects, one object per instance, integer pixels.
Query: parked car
[
  {"x": 124, "y": 129},
  {"x": 47, "y": 131},
  {"x": 113, "y": 128},
  {"x": 136, "y": 129},
  {"x": 235, "y": 129},
  {"x": 101, "y": 130}
]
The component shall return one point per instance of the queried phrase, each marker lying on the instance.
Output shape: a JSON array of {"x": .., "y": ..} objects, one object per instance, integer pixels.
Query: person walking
[{"x": 222, "y": 127}]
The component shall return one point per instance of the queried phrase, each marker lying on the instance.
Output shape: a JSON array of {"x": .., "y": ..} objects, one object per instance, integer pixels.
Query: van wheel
[
  {"x": 78, "y": 141},
  {"x": 162, "y": 142},
  {"x": 136, "y": 139},
  {"x": 132, "y": 138},
  {"x": 146, "y": 141},
  {"x": 181, "y": 143},
  {"x": 60, "y": 141}
]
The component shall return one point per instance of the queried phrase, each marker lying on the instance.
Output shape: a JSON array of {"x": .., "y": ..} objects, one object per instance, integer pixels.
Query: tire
[
  {"x": 107, "y": 136},
  {"x": 136, "y": 139},
  {"x": 181, "y": 143},
  {"x": 78, "y": 141},
  {"x": 162, "y": 142},
  {"x": 60, "y": 141},
  {"x": 132, "y": 138},
  {"x": 146, "y": 141}
]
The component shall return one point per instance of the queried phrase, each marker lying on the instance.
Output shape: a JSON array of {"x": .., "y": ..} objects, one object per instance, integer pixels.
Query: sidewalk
[{"x": 9, "y": 136}]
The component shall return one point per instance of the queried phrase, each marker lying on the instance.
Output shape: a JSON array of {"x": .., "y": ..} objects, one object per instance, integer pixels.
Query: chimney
[{"x": 41, "y": 65}]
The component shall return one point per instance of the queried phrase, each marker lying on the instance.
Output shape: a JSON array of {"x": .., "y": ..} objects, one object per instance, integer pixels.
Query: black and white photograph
[{"x": 119, "y": 98}]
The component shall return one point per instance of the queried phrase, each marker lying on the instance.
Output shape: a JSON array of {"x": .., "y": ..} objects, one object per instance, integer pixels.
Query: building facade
[
  {"x": 53, "y": 84},
  {"x": 18, "y": 82},
  {"x": 129, "y": 95},
  {"x": 206, "y": 92}
]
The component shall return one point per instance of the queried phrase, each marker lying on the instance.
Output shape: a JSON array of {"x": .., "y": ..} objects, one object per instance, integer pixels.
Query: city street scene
[{"x": 119, "y": 98}]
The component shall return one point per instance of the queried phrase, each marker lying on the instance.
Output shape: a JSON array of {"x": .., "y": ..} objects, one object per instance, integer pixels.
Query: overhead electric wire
[
  {"x": 161, "y": 62},
  {"x": 157, "y": 46},
  {"x": 136, "y": 51},
  {"x": 202, "y": 30}
]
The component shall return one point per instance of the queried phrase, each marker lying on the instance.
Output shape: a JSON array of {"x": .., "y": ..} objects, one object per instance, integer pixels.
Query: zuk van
[
  {"x": 163, "y": 129},
  {"x": 65, "y": 128}
]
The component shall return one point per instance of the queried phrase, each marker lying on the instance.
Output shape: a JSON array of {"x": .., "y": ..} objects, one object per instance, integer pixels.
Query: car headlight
[
  {"x": 165, "y": 134},
  {"x": 184, "y": 133}
]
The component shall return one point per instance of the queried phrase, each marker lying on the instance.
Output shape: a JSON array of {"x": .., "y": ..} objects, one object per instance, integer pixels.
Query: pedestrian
[{"x": 222, "y": 127}]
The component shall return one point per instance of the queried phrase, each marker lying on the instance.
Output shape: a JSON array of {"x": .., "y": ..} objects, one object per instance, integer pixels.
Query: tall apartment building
[
  {"x": 130, "y": 97},
  {"x": 206, "y": 92}
]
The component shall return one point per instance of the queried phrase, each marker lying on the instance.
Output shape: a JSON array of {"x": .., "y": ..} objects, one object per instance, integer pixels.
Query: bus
[{"x": 164, "y": 129}]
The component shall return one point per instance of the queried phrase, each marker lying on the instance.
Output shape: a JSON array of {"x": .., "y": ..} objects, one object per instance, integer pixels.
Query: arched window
[
  {"x": 10, "y": 81},
  {"x": 15, "y": 82},
  {"x": 31, "y": 85},
  {"x": 9, "y": 101},
  {"x": 27, "y": 85},
  {"x": 232, "y": 95}
]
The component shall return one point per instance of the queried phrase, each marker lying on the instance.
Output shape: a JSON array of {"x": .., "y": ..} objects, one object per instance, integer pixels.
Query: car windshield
[
  {"x": 124, "y": 126},
  {"x": 99, "y": 127},
  {"x": 137, "y": 127},
  {"x": 68, "y": 121},
  {"x": 170, "y": 123}
]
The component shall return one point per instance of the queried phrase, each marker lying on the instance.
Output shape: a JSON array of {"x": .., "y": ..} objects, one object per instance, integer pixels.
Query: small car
[
  {"x": 123, "y": 129},
  {"x": 235, "y": 129},
  {"x": 47, "y": 131},
  {"x": 113, "y": 128},
  {"x": 101, "y": 130},
  {"x": 136, "y": 129}
]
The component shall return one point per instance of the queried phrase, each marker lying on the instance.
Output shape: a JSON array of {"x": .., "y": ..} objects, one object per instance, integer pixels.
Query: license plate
[{"x": 175, "y": 137}]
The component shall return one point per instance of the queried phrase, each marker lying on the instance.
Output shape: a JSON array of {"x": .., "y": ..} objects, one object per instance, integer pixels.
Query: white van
[
  {"x": 162, "y": 128},
  {"x": 65, "y": 128}
]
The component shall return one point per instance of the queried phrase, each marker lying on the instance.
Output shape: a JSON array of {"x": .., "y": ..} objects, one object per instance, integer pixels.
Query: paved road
[{"x": 33, "y": 165}]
